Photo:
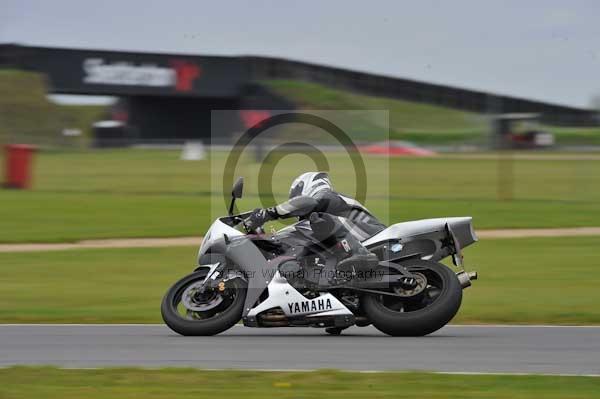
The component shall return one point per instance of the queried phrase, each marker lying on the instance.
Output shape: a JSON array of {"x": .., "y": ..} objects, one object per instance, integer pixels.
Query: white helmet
[{"x": 310, "y": 183}]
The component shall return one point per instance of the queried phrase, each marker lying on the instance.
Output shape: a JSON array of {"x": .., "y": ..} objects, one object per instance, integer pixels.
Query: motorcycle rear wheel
[
  {"x": 422, "y": 314},
  {"x": 220, "y": 318}
]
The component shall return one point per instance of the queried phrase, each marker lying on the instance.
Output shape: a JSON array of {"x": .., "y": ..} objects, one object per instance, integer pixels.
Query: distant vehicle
[
  {"x": 520, "y": 131},
  {"x": 288, "y": 279},
  {"x": 396, "y": 148}
]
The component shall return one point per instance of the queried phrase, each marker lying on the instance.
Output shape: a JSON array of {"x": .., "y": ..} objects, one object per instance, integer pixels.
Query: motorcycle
[{"x": 290, "y": 279}]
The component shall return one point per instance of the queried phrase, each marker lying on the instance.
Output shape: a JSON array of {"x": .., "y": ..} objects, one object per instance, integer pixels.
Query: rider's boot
[{"x": 353, "y": 257}]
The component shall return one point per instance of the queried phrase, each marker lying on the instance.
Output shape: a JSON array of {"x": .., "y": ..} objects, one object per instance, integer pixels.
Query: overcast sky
[{"x": 546, "y": 50}]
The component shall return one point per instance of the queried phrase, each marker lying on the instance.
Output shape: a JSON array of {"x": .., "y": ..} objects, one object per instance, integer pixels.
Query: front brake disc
[{"x": 197, "y": 301}]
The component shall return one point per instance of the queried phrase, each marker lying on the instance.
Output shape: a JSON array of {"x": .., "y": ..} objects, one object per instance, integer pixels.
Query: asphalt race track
[{"x": 511, "y": 349}]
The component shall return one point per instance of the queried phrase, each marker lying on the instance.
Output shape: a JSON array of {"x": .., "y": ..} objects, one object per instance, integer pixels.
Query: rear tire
[
  {"x": 422, "y": 321},
  {"x": 211, "y": 326}
]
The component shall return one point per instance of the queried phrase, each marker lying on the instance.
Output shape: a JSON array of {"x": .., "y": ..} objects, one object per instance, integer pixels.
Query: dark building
[
  {"x": 171, "y": 96},
  {"x": 162, "y": 96}
]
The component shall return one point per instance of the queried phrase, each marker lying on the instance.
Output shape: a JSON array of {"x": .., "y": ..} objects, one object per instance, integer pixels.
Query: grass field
[
  {"x": 143, "y": 193},
  {"x": 26, "y": 115},
  {"x": 46, "y": 382},
  {"x": 418, "y": 122},
  {"x": 529, "y": 281},
  {"x": 413, "y": 121}
]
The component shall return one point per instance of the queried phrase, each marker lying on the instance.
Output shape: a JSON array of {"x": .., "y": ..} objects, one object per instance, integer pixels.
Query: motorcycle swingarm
[
  {"x": 368, "y": 291},
  {"x": 399, "y": 268},
  {"x": 385, "y": 281}
]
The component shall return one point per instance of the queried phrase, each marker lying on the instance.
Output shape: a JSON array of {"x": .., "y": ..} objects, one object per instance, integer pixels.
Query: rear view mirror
[{"x": 238, "y": 188}]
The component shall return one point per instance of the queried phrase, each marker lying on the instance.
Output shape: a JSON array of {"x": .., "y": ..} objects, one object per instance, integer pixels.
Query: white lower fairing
[{"x": 283, "y": 295}]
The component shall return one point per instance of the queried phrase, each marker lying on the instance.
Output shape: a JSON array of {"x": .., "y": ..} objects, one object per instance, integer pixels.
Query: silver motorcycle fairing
[
  {"x": 257, "y": 269},
  {"x": 215, "y": 233},
  {"x": 262, "y": 273},
  {"x": 293, "y": 303},
  {"x": 426, "y": 237}
]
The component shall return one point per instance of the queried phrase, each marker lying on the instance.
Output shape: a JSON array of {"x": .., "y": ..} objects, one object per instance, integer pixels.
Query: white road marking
[{"x": 315, "y": 370}]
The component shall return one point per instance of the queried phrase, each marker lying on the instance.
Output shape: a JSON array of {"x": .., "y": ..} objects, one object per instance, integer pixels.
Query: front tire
[
  {"x": 216, "y": 321},
  {"x": 412, "y": 320}
]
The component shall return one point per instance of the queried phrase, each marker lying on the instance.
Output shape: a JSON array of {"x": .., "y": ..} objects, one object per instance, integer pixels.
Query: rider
[{"x": 337, "y": 221}]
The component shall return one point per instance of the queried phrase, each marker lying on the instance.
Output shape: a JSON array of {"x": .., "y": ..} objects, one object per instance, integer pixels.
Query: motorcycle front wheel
[
  {"x": 418, "y": 315},
  {"x": 188, "y": 308}
]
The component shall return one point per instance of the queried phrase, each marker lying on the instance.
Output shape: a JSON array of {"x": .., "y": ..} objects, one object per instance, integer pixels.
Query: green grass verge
[
  {"x": 575, "y": 136},
  {"x": 58, "y": 217},
  {"x": 417, "y": 122},
  {"x": 142, "y": 193},
  {"x": 46, "y": 382},
  {"x": 528, "y": 281},
  {"x": 406, "y": 114},
  {"x": 26, "y": 115}
]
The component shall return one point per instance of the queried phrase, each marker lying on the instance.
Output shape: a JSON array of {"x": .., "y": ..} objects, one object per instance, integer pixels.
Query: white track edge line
[{"x": 275, "y": 370}]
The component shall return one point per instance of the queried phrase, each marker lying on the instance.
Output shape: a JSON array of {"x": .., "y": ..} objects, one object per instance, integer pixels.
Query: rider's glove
[{"x": 259, "y": 216}]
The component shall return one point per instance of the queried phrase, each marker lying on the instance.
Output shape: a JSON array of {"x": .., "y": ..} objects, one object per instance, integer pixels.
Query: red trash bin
[{"x": 19, "y": 159}]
